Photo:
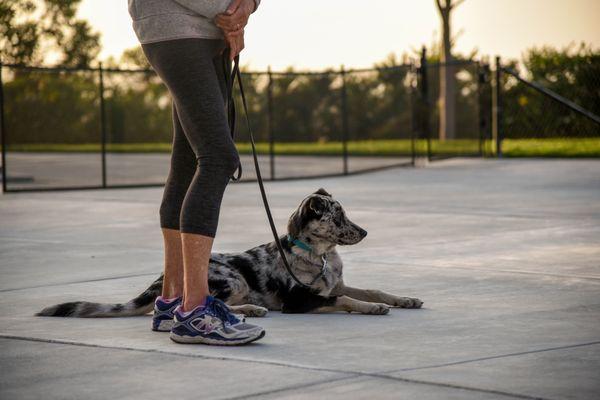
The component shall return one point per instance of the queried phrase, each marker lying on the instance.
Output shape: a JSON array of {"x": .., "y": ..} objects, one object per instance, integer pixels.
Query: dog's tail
[{"x": 140, "y": 305}]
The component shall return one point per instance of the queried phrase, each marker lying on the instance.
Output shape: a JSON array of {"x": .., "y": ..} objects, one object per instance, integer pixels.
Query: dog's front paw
[
  {"x": 377, "y": 309},
  {"x": 250, "y": 310},
  {"x": 256, "y": 311},
  {"x": 407, "y": 302}
]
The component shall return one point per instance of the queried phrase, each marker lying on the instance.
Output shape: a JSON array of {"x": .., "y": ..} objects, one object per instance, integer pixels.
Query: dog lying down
[{"x": 255, "y": 281}]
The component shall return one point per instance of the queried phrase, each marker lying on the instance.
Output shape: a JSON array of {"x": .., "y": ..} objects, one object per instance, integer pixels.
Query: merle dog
[{"x": 256, "y": 280}]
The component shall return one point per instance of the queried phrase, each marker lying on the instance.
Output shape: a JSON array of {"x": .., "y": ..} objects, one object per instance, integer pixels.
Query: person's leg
[
  {"x": 196, "y": 254},
  {"x": 181, "y": 172},
  {"x": 197, "y": 248},
  {"x": 188, "y": 69},
  {"x": 173, "y": 275}
]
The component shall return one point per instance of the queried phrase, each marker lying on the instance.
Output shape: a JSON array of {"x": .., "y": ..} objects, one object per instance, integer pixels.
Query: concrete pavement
[{"x": 504, "y": 254}]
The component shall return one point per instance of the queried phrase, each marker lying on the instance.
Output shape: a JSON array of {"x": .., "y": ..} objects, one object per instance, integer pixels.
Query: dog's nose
[{"x": 362, "y": 232}]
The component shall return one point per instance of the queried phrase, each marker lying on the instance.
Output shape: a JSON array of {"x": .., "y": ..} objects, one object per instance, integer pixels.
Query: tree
[
  {"x": 32, "y": 29},
  {"x": 134, "y": 58},
  {"x": 447, "y": 99},
  {"x": 573, "y": 72}
]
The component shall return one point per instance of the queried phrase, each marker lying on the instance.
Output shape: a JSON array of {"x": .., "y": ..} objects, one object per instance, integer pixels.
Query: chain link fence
[
  {"x": 44, "y": 110},
  {"x": 548, "y": 118},
  {"x": 68, "y": 128}
]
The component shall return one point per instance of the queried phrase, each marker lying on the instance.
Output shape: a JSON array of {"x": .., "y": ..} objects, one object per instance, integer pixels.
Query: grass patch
[
  {"x": 585, "y": 147},
  {"x": 357, "y": 148},
  {"x": 451, "y": 147}
]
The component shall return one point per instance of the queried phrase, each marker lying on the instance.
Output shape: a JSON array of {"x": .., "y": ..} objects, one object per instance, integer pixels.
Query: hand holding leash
[{"x": 232, "y": 22}]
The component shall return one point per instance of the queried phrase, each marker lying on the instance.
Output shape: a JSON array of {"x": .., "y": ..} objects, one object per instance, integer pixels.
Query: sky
[{"x": 317, "y": 34}]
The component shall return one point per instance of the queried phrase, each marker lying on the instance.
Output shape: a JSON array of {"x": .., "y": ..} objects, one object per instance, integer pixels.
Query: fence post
[
  {"x": 344, "y": 121},
  {"x": 497, "y": 108},
  {"x": 270, "y": 127},
  {"x": 425, "y": 101},
  {"x": 413, "y": 115},
  {"x": 481, "y": 79},
  {"x": 102, "y": 125},
  {"x": 2, "y": 129}
]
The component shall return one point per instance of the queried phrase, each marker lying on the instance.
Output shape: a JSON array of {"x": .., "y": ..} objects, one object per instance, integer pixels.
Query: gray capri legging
[{"x": 204, "y": 155}]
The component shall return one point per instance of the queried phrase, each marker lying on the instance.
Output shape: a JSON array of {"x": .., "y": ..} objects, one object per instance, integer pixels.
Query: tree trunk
[{"x": 447, "y": 100}]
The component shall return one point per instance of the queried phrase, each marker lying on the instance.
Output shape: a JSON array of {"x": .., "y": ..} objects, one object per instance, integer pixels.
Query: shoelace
[{"x": 222, "y": 311}]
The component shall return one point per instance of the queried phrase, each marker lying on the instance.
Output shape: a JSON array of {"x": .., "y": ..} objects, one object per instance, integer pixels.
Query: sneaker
[
  {"x": 213, "y": 323},
  {"x": 162, "y": 320}
]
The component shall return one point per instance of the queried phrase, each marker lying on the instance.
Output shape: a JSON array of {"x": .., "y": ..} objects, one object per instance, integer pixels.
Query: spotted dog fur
[{"x": 256, "y": 280}]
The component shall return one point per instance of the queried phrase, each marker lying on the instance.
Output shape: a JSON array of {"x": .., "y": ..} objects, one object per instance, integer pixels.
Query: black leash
[{"x": 231, "y": 116}]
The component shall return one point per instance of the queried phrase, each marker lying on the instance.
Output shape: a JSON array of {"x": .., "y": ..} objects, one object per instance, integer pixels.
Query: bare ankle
[{"x": 172, "y": 292}]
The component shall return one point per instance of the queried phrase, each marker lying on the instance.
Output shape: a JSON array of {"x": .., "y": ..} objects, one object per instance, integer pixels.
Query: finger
[
  {"x": 239, "y": 45},
  {"x": 223, "y": 20},
  {"x": 234, "y": 48},
  {"x": 232, "y": 20},
  {"x": 240, "y": 24},
  {"x": 229, "y": 43},
  {"x": 227, "y": 29},
  {"x": 236, "y": 33},
  {"x": 235, "y": 4},
  {"x": 232, "y": 52},
  {"x": 225, "y": 17},
  {"x": 233, "y": 36},
  {"x": 229, "y": 40},
  {"x": 230, "y": 28},
  {"x": 231, "y": 46}
]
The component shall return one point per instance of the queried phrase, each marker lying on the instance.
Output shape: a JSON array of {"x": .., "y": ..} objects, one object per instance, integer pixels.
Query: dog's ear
[
  {"x": 313, "y": 207},
  {"x": 323, "y": 192},
  {"x": 316, "y": 205},
  {"x": 295, "y": 224}
]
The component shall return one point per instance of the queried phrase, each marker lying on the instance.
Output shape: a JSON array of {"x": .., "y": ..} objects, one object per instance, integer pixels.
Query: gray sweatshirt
[{"x": 159, "y": 20}]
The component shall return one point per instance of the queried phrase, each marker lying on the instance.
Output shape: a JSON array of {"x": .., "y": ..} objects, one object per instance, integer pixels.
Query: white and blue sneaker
[
  {"x": 162, "y": 320},
  {"x": 213, "y": 323}
]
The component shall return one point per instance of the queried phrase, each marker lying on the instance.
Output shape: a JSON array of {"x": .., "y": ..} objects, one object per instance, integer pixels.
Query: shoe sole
[
  {"x": 163, "y": 326},
  {"x": 203, "y": 340}
]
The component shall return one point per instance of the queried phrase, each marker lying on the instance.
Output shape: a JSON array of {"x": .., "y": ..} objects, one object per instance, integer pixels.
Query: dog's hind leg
[
  {"x": 377, "y": 296},
  {"x": 227, "y": 286},
  {"x": 249, "y": 310}
]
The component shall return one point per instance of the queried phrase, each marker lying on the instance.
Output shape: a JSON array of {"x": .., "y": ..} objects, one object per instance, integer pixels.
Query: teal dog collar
[{"x": 299, "y": 243}]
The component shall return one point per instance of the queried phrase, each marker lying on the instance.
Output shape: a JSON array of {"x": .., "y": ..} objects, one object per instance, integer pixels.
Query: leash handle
[{"x": 237, "y": 74}]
